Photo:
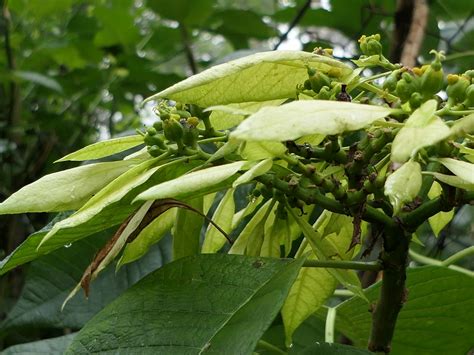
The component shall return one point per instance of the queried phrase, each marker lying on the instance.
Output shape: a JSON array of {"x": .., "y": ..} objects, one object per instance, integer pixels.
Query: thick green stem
[
  {"x": 393, "y": 293},
  {"x": 341, "y": 264}
]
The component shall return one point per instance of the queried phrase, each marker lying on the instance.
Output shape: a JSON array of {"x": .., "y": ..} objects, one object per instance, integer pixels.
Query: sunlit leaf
[
  {"x": 259, "y": 77},
  {"x": 462, "y": 169},
  {"x": 452, "y": 180},
  {"x": 193, "y": 183},
  {"x": 463, "y": 126},
  {"x": 421, "y": 129},
  {"x": 104, "y": 148},
  {"x": 64, "y": 190},
  {"x": 300, "y": 118},
  {"x": 187, "y": 229},
  {"x": 403, "y": 185},
  {"x": 257, "y": 170}
]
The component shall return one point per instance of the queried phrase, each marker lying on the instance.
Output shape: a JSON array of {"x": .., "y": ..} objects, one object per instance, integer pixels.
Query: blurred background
[{"x": 75, "y": 71}]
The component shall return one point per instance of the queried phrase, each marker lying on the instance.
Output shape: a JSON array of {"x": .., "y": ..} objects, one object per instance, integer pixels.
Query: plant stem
[
  {"x": 342, "y": 264},
  {"x": 429, "y": 261},
  {"x": 330, "y": 324},
  {"x": 393, "y": 293},
  {"x": 458, "y": 256},
  {"x": 379, "y": 91},
  {"x": 343, "y": 293}
]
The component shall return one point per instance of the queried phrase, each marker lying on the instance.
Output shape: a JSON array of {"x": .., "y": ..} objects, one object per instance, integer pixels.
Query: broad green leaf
[
  {"x": 214, "y": 240},
  {"x": 325, "y": 249},
  {"x": 463, "y": 126},
  {"x": 311, "y": 289},
  {"x": 187, "y": 230},
  {"x": 332, "y": 349},
  {"x": 462, "y": 169},
  {"x": 403, "y": 185},
  {"x": 259, "y": 77},
  {"x": 273, "y": 234},
  {"x": 38, "y": 78},
  {"x": 247, "y": 210},
  {"x": 104, "y": 149},
  {"x": 257, "y": 170},
  {"x": 111, "y": 193},
  {"x": 426, "y": 324},
  {"x": 300, "y": 118},
  {"x": 452, "y": 180},
  {"x": 64, "y": 190},
  {"x": 192, "y": 305},
  {"x": 253, "y": 229},
  {"x": 441, "y": 219},
  {"x": 111, "y": 215},
  {"x": 193, "y": 183},
  {"x": 149, "y": 236},
  {"x": 421, "y": 129},
  {"x": 51, "y": 346},
  {"x": 50, "y": 278},
  {"x": 228, "y": 116},
  {"x": 261, "y": 150}
]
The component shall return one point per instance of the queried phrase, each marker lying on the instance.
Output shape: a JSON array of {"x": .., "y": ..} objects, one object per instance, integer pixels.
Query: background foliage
[{"x": 74, "y": 71}]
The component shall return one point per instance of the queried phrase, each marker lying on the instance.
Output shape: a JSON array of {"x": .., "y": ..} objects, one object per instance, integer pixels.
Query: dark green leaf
[
  {"x": 332, "y": 349},
  {"x": 214, "y": 302},
  {"x": 51, "y": 278},
  {"x": 436, "y": 319},
  {"x": 53, "y": 346}
]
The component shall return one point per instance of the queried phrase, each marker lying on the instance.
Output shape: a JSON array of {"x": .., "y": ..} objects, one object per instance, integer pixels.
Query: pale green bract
[
  {"x": 462, "y": 169},
  {"x": 258, "y": 77},
  {"x": 103, "y": 149},
  {"x": 64, "y": 190},
  {"x": 403, "y": 185},
  {"x": 452, "y": 180},
  {"x": 463, "y": 126},
  {"x": 257, "y": 170},
  {"x": 441, "y": 219},
  {"x": 300, "y": 118},
  {"x": 192, "y": 183},
  {"x": 421, "y": 129}
]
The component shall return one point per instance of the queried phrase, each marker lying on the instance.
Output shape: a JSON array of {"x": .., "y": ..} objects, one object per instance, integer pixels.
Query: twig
[
  {"x": 293, "y": 23},
  {"x": 188, "y": 49}
]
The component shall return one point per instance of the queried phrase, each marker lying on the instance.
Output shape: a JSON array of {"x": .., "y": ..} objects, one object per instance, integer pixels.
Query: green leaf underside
[
  {"x": 441, "y": 219},
  {"x": 111, "y": 215},
  {"x": 103, "y": 149},
  {"x": 311, "y": 290},
  {"x": 193, "y": 305},
  {"x": 193, "y": 183},
  {"x": 300, "y": 118},
  {"x": 463, "y": 125},
  {"x": 325, "y": 249},
  {"x": 187, "y": 229},
  {"x": 403, "y": 185},
  {"x": 436, "y": 319},
  {"x": 64, "y": 190},
  {"x": 214, "y": 240},
  {"x": 50, "y": 346},
  {"x": 259, "y": 77},
  {"x": 150, "y": 235}
]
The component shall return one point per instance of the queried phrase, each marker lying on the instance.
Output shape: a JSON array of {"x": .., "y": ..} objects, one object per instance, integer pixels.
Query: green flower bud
[
  {"x": 158, "y": 125},
  {"x": 416, "y": 100},
  {"x": 173, "y": 130},
  {"x": 154, "y": 151},
  {"x": 151, "y": 131},
  {"x": 457, "y": 86}
]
